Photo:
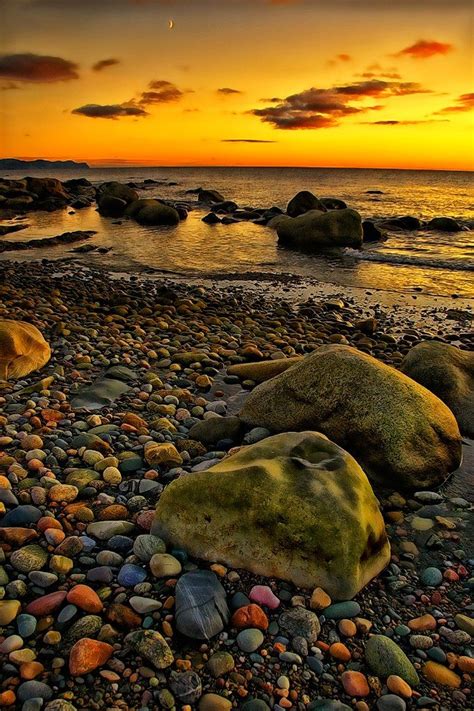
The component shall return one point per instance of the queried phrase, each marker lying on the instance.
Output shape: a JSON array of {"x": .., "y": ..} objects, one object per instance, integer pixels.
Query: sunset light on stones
[
  {"x": 239, "y": 82},
  {"x": 236, "y": 355}
]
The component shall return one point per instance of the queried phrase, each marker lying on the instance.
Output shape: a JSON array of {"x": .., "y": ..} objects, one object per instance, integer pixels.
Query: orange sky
[{"x": 344, "y": 83}]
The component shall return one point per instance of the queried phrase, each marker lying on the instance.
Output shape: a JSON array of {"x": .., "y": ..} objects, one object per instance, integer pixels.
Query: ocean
[{"x": 432, "y": 262}]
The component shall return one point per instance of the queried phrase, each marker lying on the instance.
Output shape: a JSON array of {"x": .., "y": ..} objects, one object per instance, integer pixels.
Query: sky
[{"x": 326, "y": 83}]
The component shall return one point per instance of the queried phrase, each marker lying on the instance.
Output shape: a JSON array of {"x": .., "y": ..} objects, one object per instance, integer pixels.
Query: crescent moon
[{"x": 171, "y": 24}]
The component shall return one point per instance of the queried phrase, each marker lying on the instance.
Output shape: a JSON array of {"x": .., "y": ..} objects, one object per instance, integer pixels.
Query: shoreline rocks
[{"x": 400, "y": 433}]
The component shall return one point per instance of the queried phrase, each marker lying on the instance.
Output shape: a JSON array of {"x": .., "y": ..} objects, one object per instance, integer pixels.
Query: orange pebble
[
  {"x": 398, "y": 686},
  {"x": 85, "y": 598},
  {"x": 466, "y": 664},
  {"x": 355, "y": 683},
  {"x": 30, "y": 670},
  {"x": 423, "y": 623},
  {"x": 7, "y": 698},
  {"x": 339, "y": 651},
  {"x": 347, "y": 628}
]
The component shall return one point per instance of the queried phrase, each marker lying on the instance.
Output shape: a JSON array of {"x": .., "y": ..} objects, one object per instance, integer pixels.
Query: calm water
[{"x": 439, "y": 263}]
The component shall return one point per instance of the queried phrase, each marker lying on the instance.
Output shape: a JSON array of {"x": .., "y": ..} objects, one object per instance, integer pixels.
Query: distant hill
[{"x": 15, "y": 164}]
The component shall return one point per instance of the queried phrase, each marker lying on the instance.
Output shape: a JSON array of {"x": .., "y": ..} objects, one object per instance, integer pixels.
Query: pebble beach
[{"x": 97, "y": 611}]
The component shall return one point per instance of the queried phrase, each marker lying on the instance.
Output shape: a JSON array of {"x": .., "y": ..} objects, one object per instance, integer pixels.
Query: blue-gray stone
[
  {"x": 391, "y": 702},
  {"x": 342, "y": 610},
  {"x": 130, "y": 575},
  {"x": 250, "y": 640},
  {"x": 34, "y": 689},
  {"x": 26, "y": 625},
  {"x": 21, "y": 516},
  {"x": 201, "y": 606},
  {"x": 255, "y": 705},
  {"x": 328, "y": 705},
  {"x": 431, "y": 576}
]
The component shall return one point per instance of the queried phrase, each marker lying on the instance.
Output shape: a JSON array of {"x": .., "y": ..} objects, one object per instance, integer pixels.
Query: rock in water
[
  {"x": 22, "y": 349},
  {"x": 117, "y": 190},
  {"x": 201, "y": 607},
  {"x": 400, "y": 433},
  {"x": 152, "y": 212},
  {"x": 293, "y": 506},
  {"x": 304, "y": 201},
  {"x": 321, "y": 230},
  {"x": 99, "y": 394},
  {"x": 449, "y": 373}
]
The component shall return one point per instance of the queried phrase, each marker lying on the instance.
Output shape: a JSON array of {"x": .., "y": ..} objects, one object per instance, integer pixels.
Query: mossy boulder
[
  {"x": 449, "y": 373},
  {"x": 385, "y": 658},
  {"x": 294, "y": 506},
  {"x": 400, "y": 433},
  {"x": 316, "y": 230},
  {"x": 152, "y": 212},
  {"x": 23, "y": 349},
  {"x": 304, "y": 201}
]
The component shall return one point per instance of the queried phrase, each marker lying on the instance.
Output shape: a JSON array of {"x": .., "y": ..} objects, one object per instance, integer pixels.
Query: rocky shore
[{"x": 162, "y": 547}]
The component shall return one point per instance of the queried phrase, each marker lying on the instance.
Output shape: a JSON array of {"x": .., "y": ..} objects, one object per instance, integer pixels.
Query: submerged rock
[
  {"x": 294, "y": 506},
  {"x": 320, "y": 230},
  {"x": 444, "y": 224},
  {"x": 23, "y": 349},
  {"x": 449, "y": 373},
  {"x": 401, "y": 433}
]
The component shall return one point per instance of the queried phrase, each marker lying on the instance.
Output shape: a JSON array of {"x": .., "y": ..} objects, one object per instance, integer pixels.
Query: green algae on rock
[
  {"x": 400, "y": 433},
  {"x": 294, "y": 506},
  {"x": 385, "y": 658}
]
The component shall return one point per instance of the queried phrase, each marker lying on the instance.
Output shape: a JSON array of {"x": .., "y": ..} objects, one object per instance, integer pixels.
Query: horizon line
[{"x": 126, "y": 164}]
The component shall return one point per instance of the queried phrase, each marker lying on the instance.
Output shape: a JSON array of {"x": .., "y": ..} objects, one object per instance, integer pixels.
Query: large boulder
[
  {"x": 22, "y": 349},
  {"x": 321, "y": 230},
  {"x": 47, "y": 188},
  {"x": 303, "y": 202},
  {"x": 111, "y": 206},
  {"x": 401, "y": 434},
  {"x": 449, "y": 373},
  {"x": 152, "y": 212},
  {"x": 294, "y": 506},
  {"x": 118, "y": 190}
]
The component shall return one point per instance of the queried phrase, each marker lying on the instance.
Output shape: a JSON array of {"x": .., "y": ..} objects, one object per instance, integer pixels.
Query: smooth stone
[
  {"x": 201, "y": 607},
  {"x": 104, "y": 530},
  {"x": 130, "y": 575},
  {"x": 26, "y": 624},
  {"x": 153, "y": 646},
  {"x": 391, "y": 702},
  {"x": 21, "y": 516},
  {"x": 299, "y": 622},
  {"x": 340, "y": 610},
  {"x": 164, "y": 565},
  {"x": 250, "y": 640},
  {"x": 431, "y": 576},
  {"x": 385, "y": 658},
  {"x": 34, "y": 689}
]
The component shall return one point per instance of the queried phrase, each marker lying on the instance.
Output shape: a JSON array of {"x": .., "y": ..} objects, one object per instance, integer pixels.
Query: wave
[{"x": 383, "y": 258}]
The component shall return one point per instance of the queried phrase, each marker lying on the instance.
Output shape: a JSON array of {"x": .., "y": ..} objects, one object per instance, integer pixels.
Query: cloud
[
  {"x": 376, "y": 71},
  {"x": 8, "y": 86},
  {"x": 227, "y": 91},
  {"x": 245, "y": 140},
  {"x": 339, "y": 58},
  {"x": 30, "y": 67},
  {"x": 324, "y": 108},
  {"x": 110, "y": 111},
  {"x": 104, "y": 64},
  {"x": 160, "y": 92},
  {"x": 465, "y": 102},
  {"x": 403, "y": 122},
  {"x": 423, "y": 49}
]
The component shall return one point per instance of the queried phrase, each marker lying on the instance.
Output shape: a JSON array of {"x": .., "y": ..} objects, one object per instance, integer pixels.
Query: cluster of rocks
[
  {"x": 157, "y": 551},
  {"x": 44, "y": 194}
]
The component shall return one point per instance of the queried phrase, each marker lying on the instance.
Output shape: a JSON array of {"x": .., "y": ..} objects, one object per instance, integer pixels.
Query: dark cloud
[
  {"x": 339, "y": 58},
  {"x": 376, "y": 71},
  {"x": 245, "y": 140},
  {"x": 227, "y": 91},
  {"x": 324, "y": 108},
  {"x": 402, "y": 122},
  {"x": 30, "y": 67},
  {"x": 423, "y": 49},
  {"x": 9, "y": 86},
  {"x": 160, "y": 92},
  {"x": 104, "y": 64},
  {"x": 465, "y": 102},
  {"x": 109, "y": 111}
]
